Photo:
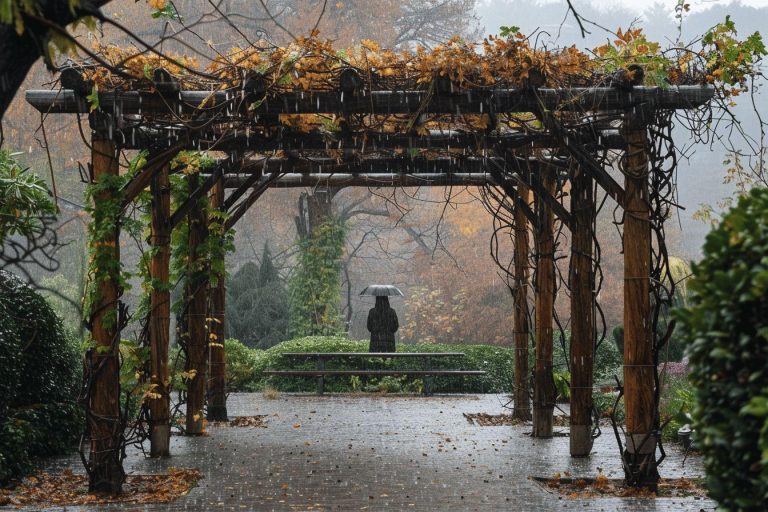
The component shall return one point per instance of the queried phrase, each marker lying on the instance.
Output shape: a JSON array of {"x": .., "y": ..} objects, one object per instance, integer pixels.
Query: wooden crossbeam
[
  {"x": 380, "y": 101},
  {"x": 243, "y": 207},
  {"x": 293, "y": 180},
  {"x": 585, "y": 160},
  {"x": 527, "y": 172},
  {"x": 520, "y": 203},
  {"x": 375, "y": 165},
  {"x": 290, "y": 140},
  {"x": 190, "y": 203},
  {"x": 143, "y": 178}
]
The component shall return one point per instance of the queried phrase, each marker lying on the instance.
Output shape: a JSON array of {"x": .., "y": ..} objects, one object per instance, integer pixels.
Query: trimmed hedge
[
  {"x": 40, "y": 369},
  {"x": 726, "y": 329},
  {"x": 245, "y": 365}
]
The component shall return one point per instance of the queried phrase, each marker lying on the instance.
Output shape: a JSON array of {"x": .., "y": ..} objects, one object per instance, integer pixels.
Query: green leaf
[
  {"x": 505, "y": 31},
  {"x": 93, "y": 99}
]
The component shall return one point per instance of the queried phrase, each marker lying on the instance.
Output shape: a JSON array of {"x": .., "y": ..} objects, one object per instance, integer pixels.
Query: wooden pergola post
[
  {"x": 543, "y": 383},
  {"x": 522, "y": 333},
  {"x": 197, "y": 341},
  {"x": 581, "y": 279},
  {"x": 639, "y": 383},
  {"x": 105, "y": 426},
  {"x": 217, "y": 402},
  {"x": 160, "y": 314}
]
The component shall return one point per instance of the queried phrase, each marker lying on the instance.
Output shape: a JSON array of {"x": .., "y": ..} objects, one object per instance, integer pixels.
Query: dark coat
[{"x": 382, "y": 322}]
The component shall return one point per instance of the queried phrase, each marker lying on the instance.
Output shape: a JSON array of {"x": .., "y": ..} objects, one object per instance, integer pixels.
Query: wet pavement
[{"x": 363, "y": 452}]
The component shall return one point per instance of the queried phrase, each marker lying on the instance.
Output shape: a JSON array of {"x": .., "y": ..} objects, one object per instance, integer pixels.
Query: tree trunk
[
  {"x": 160, "y": 314},
  {"x": 582, "y": 314},
  {"x": 315, "y": 209},
  {"x": 197, "y": 343},
  {"x": 217, "y": 406},
  {"x": 522, "y": 334},
  {"x": 106, "y": 472},
  {"x": 543, "y": 385},
  {"x": 639, "y": 383}
]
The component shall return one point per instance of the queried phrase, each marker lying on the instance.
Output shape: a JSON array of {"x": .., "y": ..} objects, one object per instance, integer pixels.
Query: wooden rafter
[{"x": 382, "y": 101}]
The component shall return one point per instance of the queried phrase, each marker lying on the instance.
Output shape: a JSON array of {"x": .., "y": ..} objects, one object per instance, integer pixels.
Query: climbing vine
[{"x": 315, "y": 287}]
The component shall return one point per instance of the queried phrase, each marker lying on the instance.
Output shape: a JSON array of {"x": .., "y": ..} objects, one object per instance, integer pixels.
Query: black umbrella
[{"x": 382, "y": 290}]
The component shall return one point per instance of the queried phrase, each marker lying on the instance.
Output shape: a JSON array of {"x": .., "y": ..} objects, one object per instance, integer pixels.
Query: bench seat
[
  {"x": 374, "y": 373},
  {"x": 320, "y": 372}
]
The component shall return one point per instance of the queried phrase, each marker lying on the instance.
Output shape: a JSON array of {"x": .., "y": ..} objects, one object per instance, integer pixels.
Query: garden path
[{"x": 364, "y": 452}]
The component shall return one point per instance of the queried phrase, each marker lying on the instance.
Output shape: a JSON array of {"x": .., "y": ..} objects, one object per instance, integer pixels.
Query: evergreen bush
[
  {"x": 726, "y": 329},
  {"x": 41, "y": 372},
  {"x": 257, "y": 304}
]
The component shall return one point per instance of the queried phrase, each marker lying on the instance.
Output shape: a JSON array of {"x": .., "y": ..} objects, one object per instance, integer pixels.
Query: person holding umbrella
[{"x": 382, "y": 319}]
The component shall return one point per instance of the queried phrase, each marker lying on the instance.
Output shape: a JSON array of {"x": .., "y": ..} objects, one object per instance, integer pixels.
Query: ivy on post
[
  {"x": 217, "y": 402},
  {"x": 105, "y": 425},
  {"x": 160, "y": 313},
  {"x": 196, "y": 291},
  {"x": 522, "y": 334},
  {"x": 543, "y": 385},
  {"x": 581, "y": 279},
  {"x": 639, "y": 455}
]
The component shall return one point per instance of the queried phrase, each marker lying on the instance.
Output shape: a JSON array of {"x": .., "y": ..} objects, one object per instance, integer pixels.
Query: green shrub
[
  {"x": 607, "y": 361},
  {"x": 498, "y": 363},
  {"x": 240, "y": 365},
  {"x": 726, "y": 330},
  {"x": 675, "y": 404},
  {"x": 41, "y": 371},
  {"x": 605, "y": 403},
  {"x": 257, "y": 304}
]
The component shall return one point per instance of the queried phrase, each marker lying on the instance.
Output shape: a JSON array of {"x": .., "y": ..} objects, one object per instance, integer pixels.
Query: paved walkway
[{"x": 377, "y": 453}]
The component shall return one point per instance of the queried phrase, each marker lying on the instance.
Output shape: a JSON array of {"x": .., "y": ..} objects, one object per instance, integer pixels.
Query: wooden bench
[{"x": 320, "y": 371}]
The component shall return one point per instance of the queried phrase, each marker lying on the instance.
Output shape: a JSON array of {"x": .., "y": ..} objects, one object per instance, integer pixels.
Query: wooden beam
[
  {"x": 217, "y": 403},
  {"x": 243, "y": 207},
  {"x": 521, "y": 327},
  {"x": 382, "y": 101},
  {"x": 543, "y": 386},
  {"x": 366, "y": 180},
  {"x": 194, "y": 198},
  {"x": 287, "y": 139},
  {"x": 143, "y": 178},
  {"x": 639, "y": 383},
  {"x": 582, "y": 283},
  {"x": 570, "y": 142},
  {"x": 528, "y": 173},
  {"x": 243, "y": 184},
  {"x": 103, "y": 415},
  {"x": 520, "y": 201},
  {"x": 160, "y": 313},
  {"x": 197, "y": 343}
]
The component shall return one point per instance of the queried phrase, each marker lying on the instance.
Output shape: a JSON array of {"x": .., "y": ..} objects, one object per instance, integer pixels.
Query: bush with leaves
[
  {"x": 24, "y": 199},
  {"x": 41, "y": 374},
  {"x": 726, "y": 329}
]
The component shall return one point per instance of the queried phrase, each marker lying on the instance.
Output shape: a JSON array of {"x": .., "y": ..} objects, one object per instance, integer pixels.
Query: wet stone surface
[{"x": 396, "y": 453}]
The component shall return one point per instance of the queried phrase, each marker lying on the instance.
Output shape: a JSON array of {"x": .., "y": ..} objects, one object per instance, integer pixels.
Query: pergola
[{"x": 528, "y": 165}]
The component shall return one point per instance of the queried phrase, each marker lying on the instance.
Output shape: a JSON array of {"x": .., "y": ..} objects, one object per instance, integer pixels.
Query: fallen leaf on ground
[{"x": 66, "y": 488}]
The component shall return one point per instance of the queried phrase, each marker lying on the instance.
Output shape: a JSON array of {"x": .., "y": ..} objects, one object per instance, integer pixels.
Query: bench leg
[
  {"x": 320, "y": 385},
  {"x": 320, "y": 365},
  {"x": 427, "y": 391}
]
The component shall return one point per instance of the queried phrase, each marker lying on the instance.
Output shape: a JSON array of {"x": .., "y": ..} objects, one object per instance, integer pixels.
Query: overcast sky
[{"x": 641, "y": 5}]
